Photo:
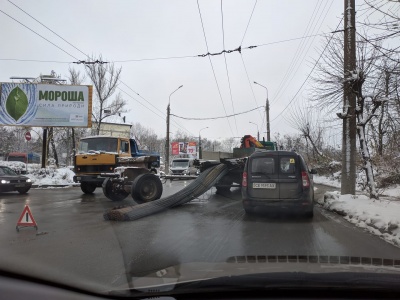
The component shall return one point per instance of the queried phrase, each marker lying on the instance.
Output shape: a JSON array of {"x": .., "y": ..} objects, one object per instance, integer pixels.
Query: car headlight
[
  {"x": 28, "y": 180},
  {"x": 5, "y": 181}
]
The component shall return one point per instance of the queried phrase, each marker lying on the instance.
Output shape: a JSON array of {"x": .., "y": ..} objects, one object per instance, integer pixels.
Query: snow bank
[
  {"x": 17, "y": 166},
  {"x": 41, "y": 177},
  {"x": 380, "y": 217},
  {"x": 52, "y": 176}
]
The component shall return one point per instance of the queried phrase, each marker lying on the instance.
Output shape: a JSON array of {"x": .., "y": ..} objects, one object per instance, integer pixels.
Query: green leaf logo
[{"x": 17, "y": 103}]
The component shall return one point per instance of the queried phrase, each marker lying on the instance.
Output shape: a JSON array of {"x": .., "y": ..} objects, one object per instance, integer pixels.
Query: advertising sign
[
  {"x": 181, "y": 148},
  {"x": 175, "y": 148},
  {"x": 42, "y": 105}
]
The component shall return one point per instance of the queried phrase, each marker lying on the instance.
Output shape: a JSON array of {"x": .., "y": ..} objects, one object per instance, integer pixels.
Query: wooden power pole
[{"x": 348, "y": 184}]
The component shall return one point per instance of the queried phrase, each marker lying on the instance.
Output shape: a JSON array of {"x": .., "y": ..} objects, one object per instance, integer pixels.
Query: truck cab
[{"x": 102, "y": 154}]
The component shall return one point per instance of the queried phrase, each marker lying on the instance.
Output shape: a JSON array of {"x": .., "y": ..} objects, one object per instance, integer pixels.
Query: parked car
[
  {"x": 277, "y": 180},
  {"x": 183, "y": 166},
  {"x": 11, "y": 181}
]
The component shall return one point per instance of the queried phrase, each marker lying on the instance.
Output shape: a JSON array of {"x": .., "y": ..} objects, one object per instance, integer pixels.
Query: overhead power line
[
  {"x": 27, "y": 27},
  {"x": 239, "y": 49},
  {"x": 91, "y": 62},
  {"x": 215, "y": 118},
  {"x": 84, "y": 62},
  {"x": 212, "y": 67},
  {"x": 226, "y": 65},
  {"x": 309, "y": 74},
  {"x": 248, "y": 23},
  {"x": 251, "y": 86},
  {"x": 46, "y": 27}
]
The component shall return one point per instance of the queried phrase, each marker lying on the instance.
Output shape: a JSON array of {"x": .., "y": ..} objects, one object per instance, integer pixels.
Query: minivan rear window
[
  {"x": 265, "y": 165},
  {"x": 287, "y": 165}
]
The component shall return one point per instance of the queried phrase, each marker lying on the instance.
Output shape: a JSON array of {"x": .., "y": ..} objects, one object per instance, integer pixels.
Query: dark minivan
[{"x": 277, "y": 179}]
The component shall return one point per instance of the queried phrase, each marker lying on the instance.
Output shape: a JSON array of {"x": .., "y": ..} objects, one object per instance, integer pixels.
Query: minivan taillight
[
  {"x": 244, "y": 179},
  {"x": 305, "y": 179}
]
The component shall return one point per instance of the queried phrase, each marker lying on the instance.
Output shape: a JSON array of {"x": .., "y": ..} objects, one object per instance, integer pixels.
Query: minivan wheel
[
  {"x": 248, "y": 210},
  {"x": 309, "y": 214}
]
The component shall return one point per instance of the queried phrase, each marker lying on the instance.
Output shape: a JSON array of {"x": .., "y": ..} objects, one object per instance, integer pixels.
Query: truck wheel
[
  {"x": 146, "y": 188},
  {"x": 226, "y": 180},
  {"x": 88, "y": 188},
  {"x": 113, "y": 191}
]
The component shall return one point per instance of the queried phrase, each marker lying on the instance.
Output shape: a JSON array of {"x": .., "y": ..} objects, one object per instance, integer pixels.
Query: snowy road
[{"x": 74, "y": 238}]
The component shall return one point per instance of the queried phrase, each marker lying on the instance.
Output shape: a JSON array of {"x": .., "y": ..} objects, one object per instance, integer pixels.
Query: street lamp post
[
  {"x": 167, "y": 139},
  {"x": 200, "y": 153},
  {"x": 258, "y": 132},
  {"x": 266, "y": 112}
]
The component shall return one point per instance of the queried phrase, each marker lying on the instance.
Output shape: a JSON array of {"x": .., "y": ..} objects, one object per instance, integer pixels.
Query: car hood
[
  {"x": 14, "y": 177},
  {"x": 274, "y": 270}
]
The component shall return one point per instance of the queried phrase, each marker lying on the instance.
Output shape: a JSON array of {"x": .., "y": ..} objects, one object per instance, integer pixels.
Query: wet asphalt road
[{"x": 74, "y": 239}]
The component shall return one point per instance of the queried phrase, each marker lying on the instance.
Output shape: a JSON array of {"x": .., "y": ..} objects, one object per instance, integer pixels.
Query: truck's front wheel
[
  {"x": 146, "y": 188},
  {"x": 88, "y": 188}
]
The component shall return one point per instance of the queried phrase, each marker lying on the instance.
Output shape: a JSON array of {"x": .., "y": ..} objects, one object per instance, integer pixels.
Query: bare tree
[
  {"x": 146, "y": 138},
  {"x": 363, "y": 82},
  {"x": 304, "y": 120},
  {"x": 75, "y": 78},
  {"x": 105, "y": 79}
]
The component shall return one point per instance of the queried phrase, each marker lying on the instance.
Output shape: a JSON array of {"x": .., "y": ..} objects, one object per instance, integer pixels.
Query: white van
[{"x": 182, "y": 166}]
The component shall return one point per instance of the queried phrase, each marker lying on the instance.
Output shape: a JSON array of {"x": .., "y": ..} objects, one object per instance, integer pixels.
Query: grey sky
[{"x": 134, "y": 30}]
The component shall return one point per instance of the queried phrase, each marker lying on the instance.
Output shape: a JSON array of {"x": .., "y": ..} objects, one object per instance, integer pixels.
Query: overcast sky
[{"x": 134, "y": 33}]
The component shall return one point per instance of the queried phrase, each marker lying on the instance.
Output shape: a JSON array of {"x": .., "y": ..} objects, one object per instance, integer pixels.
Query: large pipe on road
[{"x": 203, "y": 183}]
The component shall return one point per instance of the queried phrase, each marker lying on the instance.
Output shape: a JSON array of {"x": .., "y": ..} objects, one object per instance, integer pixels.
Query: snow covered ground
[{"x": 380, "y": 217}]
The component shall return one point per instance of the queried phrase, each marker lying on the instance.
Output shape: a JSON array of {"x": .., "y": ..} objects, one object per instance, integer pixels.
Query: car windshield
[
  {"x": 180, "y": 163},
  {"x": 98, "y": 144},
  {"x": 165, "y": 144},
  {"x": 7, "y": 171}
]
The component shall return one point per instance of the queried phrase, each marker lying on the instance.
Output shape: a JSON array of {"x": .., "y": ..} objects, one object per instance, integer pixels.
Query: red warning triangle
[{"x": 26, "y": 218}]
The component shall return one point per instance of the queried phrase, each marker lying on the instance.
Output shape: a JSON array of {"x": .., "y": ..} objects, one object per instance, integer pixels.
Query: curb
[{"x": 45, "y": 186}]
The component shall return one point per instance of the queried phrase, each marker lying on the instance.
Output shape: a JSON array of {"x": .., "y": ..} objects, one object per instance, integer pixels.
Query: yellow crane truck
[{"x": 118, "y": 166}]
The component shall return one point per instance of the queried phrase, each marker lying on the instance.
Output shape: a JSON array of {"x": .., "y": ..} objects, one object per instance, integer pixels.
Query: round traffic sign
[{"x": 28, "y": 136}]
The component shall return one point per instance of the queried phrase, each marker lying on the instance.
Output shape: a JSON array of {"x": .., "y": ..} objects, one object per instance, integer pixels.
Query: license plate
[
  {"x": 20, "y": 185},
  {"x": 264, "y": 185}
]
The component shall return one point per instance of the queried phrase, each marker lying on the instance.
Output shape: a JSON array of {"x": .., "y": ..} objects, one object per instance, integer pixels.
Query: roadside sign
[
  {"x": 26, "y": 219},
  {"x": 28, "y": 136}
]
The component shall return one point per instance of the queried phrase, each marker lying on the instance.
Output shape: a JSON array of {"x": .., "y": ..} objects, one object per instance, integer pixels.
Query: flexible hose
[{"x": 203, "y": 183}]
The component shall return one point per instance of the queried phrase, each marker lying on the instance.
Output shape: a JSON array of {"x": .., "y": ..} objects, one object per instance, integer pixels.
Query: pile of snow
[
  {"x": 380, "y": 217},
  {"x": 52, "y": 176},
  {"x": 42, "y": 177},
  {"x": 17, "y": 166}
]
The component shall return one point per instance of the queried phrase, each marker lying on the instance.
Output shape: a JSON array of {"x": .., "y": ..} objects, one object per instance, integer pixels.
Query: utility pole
[
  {"x": 266, "y": 112},
  {"x": 349, "y": 135},
  {"x": 200, "y": 149},
  {"x": 167, "y": 136},
  {"x": 166, "y": 162},
  {"x": 258, "y": 132}
]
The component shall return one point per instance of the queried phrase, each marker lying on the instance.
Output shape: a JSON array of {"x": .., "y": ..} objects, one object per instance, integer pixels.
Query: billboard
[
  {"x": 115, "y": 129},
  {"x": 45, "y": 105},
  {"x": 184, "y": 148}
]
